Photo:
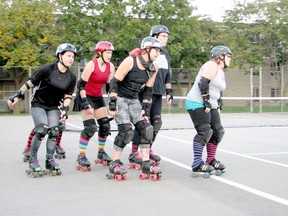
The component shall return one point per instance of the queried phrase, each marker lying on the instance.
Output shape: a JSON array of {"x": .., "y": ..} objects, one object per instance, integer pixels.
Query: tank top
[
  {"x": 97, "y": 79},
  {"x": 132, "y": 82},
  {"x": 216, "y": 85}
]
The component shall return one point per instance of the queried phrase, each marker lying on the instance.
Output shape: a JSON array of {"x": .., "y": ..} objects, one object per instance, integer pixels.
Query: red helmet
[{"x": 103, "y": 46}]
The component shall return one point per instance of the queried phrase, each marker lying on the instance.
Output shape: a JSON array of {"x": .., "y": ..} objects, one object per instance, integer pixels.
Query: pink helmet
[{"x": 103, "y": 46}]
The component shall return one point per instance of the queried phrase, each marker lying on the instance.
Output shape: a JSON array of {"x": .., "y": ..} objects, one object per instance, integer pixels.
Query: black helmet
[
  {"x": 65, "y": 47},
  {"x": 150, "y": 42},
  {"x": 219, "y": 50},
  {"x": 157, "y": 29}
]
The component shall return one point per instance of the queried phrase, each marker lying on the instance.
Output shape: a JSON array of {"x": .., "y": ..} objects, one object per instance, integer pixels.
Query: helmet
[
  {"x": 157, "y": 29},
  {"x": 65, "y": 47},
  {"x": 150, "y": 42},
  {"x": 219, "y": 50},
  {"x": 103, "y": 46}
]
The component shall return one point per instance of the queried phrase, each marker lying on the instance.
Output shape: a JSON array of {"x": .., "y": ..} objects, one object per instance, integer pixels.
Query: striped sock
[
  {"x": 30, "y": 139},
  {"x": 211, "y": 151},
  {"x": 83, "y": 145},
  {"x": 59, "y": 139},
  {"x": 101, "y": 143},
  {"x": 198, "y": 149}
]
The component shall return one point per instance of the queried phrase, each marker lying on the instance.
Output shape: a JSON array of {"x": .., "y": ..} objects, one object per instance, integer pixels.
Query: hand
[
  {"x": 11, "y": 103},
  {"x": 85, "y": 103},
  {"x": 169, "y": 99}
]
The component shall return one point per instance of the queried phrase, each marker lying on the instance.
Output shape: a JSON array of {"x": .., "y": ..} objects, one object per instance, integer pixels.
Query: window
[{"x": 8, "y": 90}]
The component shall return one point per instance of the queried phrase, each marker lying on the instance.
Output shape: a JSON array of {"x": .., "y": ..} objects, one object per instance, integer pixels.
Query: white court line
[
  {"x": 234, "y": 184},
  {"x": 233, "y": 153},
  {"x": 269, "y": 153}
]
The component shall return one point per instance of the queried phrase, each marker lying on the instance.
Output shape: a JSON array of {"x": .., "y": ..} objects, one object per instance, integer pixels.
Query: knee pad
[
  {"x": 124, "y": 136},
  {"x": 62, "y": 127},
  {"x": 156, "y": 122},
  {"x": 41, "y": 130},
  {"x": 204, "y": 133},
  {"x": 53, "y": 133},
  {"x": 90, "y": 128},
  {"x": 218, "y": 134},
  {"x": 104, "y": 127},
  {"x": 145, "y": 131}
]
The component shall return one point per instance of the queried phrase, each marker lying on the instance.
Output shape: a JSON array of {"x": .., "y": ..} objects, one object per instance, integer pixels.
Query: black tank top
[{"x": 132, "y": 82}]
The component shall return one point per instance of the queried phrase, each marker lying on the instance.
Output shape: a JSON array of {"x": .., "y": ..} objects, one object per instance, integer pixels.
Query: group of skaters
[{"x": 135, "y": 93}]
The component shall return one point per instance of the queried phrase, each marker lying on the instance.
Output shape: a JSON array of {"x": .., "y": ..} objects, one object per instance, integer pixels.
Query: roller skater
[
  {"x": 90, "y": 102},
  {"x": 83, "y": 163},
  {"x": 117, "y": 171},
  {"x": 35, "y": 169},
  {"x": 51, "y": 84},
  {"x": 135, "y": 161},
  {"x": 52, "y": 168},
  {"x": 204, "y": 169},
  {"x": 136, "y": 71},
  {"x": 150, "y": 171},
  {"x": 204, "y": 104},
  {"x": 162, "y": 86}
]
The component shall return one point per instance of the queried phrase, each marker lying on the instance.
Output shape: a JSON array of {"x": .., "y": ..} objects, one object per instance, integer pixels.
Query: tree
[{"x": 27, "y": 35}]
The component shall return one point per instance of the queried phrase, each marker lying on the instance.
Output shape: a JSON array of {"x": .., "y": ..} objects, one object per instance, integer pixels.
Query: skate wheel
[
  {"x": 97, "y": 161},
  {"x": 84, "y": 169},
  {"x": 218, "y": 172},
  {"x": 89, "y": 168},
  {"x": 124, "y": 177},
  {"x": 59, "y": 172},
  {"x": 143, "y": 176},
  {"x": 153, "y": 177},
  {"x": 78, "y": 167},
  {"x": 25, "y": 159},
  {"x": 104, "y": 163},
  {"x": 64, "y": 156},
  {"x": 109, "y": 176},
  {"x": 206, "y": 175},
  {"x": 138, "y": 167},
  {"x": 35, "y": 174}
]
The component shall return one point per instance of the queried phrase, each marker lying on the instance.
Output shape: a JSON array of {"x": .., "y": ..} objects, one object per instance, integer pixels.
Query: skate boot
[
  {"x": 103, "y": 158},
  {"x": 83, "y": 163},
  {"x": 52, "y": 168},
  {"x": 117, "y": 171},
  {"x": 35, "y": 169},
  {"x": 150, "y": 171},
  {"x": 218, "y": 166},
  {"x": 60, "y": 152},
  {"x": 204, "y": 169},
  {"x": 26, "y": 154},
  {"x": 135, "y": 161},
  {"x": 154, "y": 158}
]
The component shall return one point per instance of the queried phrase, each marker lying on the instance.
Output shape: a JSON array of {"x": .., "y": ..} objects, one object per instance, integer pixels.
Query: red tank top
[{"x": 97, "y": 79}]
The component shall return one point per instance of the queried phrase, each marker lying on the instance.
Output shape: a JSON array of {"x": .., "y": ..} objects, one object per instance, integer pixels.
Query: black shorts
[{"x": 96, "y": 102}]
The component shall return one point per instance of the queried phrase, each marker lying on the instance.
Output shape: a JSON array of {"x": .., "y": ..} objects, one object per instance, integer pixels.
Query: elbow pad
[
  {"x": 81, "y": 84},
  {"x": 203, "y": 85}
]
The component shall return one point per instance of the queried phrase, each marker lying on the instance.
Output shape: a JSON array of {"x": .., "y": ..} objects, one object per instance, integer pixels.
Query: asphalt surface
[{"x": 254, "y": 150}]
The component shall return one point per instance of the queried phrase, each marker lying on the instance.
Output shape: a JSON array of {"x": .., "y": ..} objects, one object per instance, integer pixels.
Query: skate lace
[
  {"x": 137, "y": 155},
  {"x": 155, "y": 169}
]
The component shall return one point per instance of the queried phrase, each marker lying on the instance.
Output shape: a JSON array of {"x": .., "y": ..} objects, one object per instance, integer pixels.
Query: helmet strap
[
  {"x": 223, "y": 60},
  {"x": 61, "y": 62}
]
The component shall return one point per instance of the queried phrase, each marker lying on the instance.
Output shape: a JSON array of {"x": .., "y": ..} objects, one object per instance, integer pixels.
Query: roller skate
[
  {"x": 135, "y": 161},
  {"x": 83, "y": 163},
  {"x": 103, "y": 158},
  {"x": 218, "y": 166},
  {"x": 204, "y": 169},
  {"x": 117, "y": 171},
  {"x": 35, "y": 169},
  {"x": 26, "y": 154},
  {"x": 60, "y": 152},
  {"x": 150, "y": 171},
  {"x": 154, "y": 158},
  {"x": 52, "y": 168}
]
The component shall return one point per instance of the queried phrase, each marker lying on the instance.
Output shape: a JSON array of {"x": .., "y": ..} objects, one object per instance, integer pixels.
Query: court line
[{"x": 226, "y": 181}]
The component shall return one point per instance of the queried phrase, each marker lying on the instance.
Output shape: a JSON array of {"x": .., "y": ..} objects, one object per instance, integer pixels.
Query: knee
[
  {"x": 204, "y": 133},
  {"x": 218, "y": 134},
  {"x": 104, "y": 126},
  {"x": 53, "y": 133},
  {"x": 41, "y": 131},
  {"x": 145, "y": 131},
  {"x": 124, "y": 136},
  {"x": 90, "y": 128}
]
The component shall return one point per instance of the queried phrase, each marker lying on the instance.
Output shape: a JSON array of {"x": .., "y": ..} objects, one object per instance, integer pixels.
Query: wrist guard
[
  {"x": 206, "y": 102},
  {"x": 112, "y": 103},
  {"x": 18, "y": 94},
  {"x": 146, "y": 108},
  {"x": 170, "y": 93},
  {"x": 84, "y": 103},
  {"x": 220, "y": 103},
  {"x": 65, "y": 109}
]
